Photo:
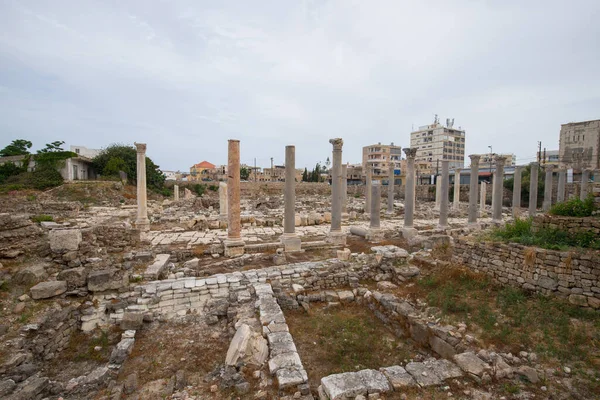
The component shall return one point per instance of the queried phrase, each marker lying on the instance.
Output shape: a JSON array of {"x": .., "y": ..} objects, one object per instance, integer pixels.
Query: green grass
[
  {"x": 41, "y": 217},
  {"x": 574, "y": 207},
  {"x": 520, "y": 231}
]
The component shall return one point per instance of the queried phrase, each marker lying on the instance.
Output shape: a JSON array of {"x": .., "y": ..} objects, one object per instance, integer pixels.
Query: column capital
[
  {"x": 337, "y": 143},
  {"x": 140, "y": 147},
  {"x": 475, "y": 158},
  {"x": 410, "y": 152},
  {"x": 549, "y": 167},
  {"x": 500, "y": 160},
  {"x": 534, "y": 164}
]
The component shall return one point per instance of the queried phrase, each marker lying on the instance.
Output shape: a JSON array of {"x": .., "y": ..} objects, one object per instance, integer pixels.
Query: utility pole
[
  {"x": 491, "y": 155},
  {"x": 544, "y": 156},
  {"x": 539, "y": 155}
]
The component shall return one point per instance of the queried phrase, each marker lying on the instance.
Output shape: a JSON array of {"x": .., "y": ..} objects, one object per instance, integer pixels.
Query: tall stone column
[
  {"x": 597, "y": 176},
  {"x": 456, "y": 199},
  {"x": 390, "y": 199},
  {"x": 585, "y": 177},
  {"x": 176, "y": 192},
  {"x": 374, "y": 234},
  {"x": 516, "y": 200},
  {"x": 223, "y": 199},
  {"x": 234, "y": 245},
  {"x": 290, "y": 240},
  {"x": 345, "y": 191},
  {"x": 493, "y": 189},
  {"x": 548, "y": 188},
  {"x": 473, "y": 182},
  {"x": 408, "y": 230},
  {"x": 445, "y": 190},
  {"x": 438, "y": 192},
  {"x": 369, "y": 180},
  {"x": 336, "y": 236},
  {"x": 533, "y": 189},
  {"x": 562, "y": 180},
  {"x": 482, "y": 195},
  {"x": 498, "y": 189},
  {"x": 142, "y": 222}
]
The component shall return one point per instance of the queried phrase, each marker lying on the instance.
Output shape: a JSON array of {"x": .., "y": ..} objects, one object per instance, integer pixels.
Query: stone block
[
  {"x": 470, "y": 363},
  {"x": 62, "y": 240},
  {"x": 106, "y": 279},
  {"x": 424, "y": 374},
  {"x": 156, "y": 269},
  {"x": 75, "y": 277},
  {"x": 352, "y": 384},
  {"x": 121, "y": 351},
  {"x": 343, "y": 255},
  {"x": 398, "y": 377},
  {"x": 30, "y": 275},
  {"x": 45, "y": 290},
  {"x": 132, "y": 321},
  {"x": 441, "y": 347},
  {"x": 287, "y": 377}
]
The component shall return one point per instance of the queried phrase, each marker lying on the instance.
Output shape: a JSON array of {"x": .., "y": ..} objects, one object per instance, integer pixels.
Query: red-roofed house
[{"x": 197, "y": 170}]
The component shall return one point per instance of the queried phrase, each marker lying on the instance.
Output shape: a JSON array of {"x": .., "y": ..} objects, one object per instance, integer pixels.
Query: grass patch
[
  {"x": 575, "y": 207},
  {"x": 342, "y": 339},
  {"x": 42, "y": 218},
  {"x": 520, "y": 231}
]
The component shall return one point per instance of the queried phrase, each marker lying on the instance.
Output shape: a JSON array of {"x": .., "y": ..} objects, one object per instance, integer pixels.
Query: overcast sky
[{"x": 185, "y": 76}]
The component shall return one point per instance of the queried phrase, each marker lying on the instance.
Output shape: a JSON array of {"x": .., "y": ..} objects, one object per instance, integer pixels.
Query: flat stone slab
[
  {"x": 286, "y": 360},
  {"x": 390, "y": 251},
  {"x": 45, "y": 290},
  {"x": 287, "y": 377},
  {"x": 62, "y": 240},
  {"x": 446, "y": 369},
  {"x": 470, "y": 363},
  {"x": 352, "y": 384},
  {"x": 424, "y": 374},
  {"x": 155, "y": 269},
  {"x": 398, "y": 377}
]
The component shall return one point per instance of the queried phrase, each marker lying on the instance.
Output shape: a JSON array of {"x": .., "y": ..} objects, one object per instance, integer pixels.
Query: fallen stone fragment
[
  {"x": 470, "y": 363},
  {"x": 45, "y": 290},
  {"x": 398, "y": 377}
]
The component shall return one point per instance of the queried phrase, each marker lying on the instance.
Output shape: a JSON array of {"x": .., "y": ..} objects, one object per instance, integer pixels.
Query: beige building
[
  {"x": 549, "y": 157},
  {"x": 579, "y": 145},
  {"x": 488, "y": 159},
  {"x": 379, "y": 157},
  {"x": 435, "y": 143}
]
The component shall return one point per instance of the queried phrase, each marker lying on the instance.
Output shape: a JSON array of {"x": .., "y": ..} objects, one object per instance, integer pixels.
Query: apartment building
[
  {"x": 379, "y": 156},
  {"x": 579, "y": 145},
  {"x": 437, "y": 142}
]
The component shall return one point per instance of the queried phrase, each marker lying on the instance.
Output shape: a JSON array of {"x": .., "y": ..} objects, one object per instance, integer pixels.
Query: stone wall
[
  {"x": 570, "y": 274},
  {"x": 18, "y": 236},
  {"x": 567, "y": 224},
  {"x": 48, "y": 338}
]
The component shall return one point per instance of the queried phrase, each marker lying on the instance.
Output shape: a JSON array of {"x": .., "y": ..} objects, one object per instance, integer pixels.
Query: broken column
[
  {"x": 374, "y": 234},
  {"x": 498, "y": 189},
  {"x": 548, "y": 188},
  {"x": 438, "y": 193},
  {"x": 562, "y": 180},
  {"x": 474, "y": 181},
  {"x": 390, "y": 203},
  {"x": 345, "y": 191},
  {"x": 444, "y": 186},
  {"x": 290, "y": 240},
  {"x": 456, "y": 200},
  {"x": 533, "y": 189},
  {"x": 516, "y": 200},
  {"x": 176, "y": 192},
  {"x": 234, "y": 245},
  {"x": 369, "y": 179},
  {"x": 585, "y": 177},
  {"x": 142, "y": 222},
  {"x": 408, "y": 230},
  {"x": 336, "y": 236},
  {"x": 482, "y": 194},
  {"x": 223, "y": 199}
]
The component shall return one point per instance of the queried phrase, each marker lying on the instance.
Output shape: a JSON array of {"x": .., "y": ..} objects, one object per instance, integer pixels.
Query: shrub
[
  {"x": 214, "y": 188},
  {"x": 46, "y": 177},
  {"x": 199, "y": 189},
  {"x": 574, "y": 207}
]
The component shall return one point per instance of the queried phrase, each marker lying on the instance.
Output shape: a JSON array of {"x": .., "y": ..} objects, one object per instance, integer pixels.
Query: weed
[
  {"x": 511, "y": 388},
  {"x": 41, "y": 218},
  {"x": 31, "y": 197}
]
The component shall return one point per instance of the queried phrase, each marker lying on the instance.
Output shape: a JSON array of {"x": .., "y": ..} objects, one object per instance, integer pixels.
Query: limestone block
[
  {"x": 105, "y": 279},
  {"x": 62, "y": 240},
  {"x": 239, "y": 344},
  {"x": 287, "y": 377},
  {"x": 344, "y": 255},
  {"x": 121, "y": 351},
  {"x": 352, "y": 384},
  {"x": 470, "y": 363},
  {"x": 30, "y": 275},
  {"x": 45, "y": 290},
  {"x": 398, "y": 377},
  {"x": 75, "y": 277},
  {"x": 32, "y": 388},
  {"x": 285, "y": 360},
  {"x": 578, "y": 299},
  {"x": 155, "y": 269},
  {"x": 132, "y": 321},
  {"x": 424, "y": 374},
  {"x": 441, "y": 347}
]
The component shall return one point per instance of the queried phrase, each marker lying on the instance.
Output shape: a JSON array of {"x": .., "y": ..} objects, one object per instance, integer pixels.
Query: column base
[
  {"x": 336, "y": 238},
  {"x": 442, "y": 227},
  {"x": 345, "y": 216},
  {"x": 142, "y": 224},
  {"x": 233, "y": 247},
  {"x": 474, "y": 225},
  {"x": 291, "y": 243},
  {"x": 374, "y": 235},
  {"x": 408, "y": 233}
]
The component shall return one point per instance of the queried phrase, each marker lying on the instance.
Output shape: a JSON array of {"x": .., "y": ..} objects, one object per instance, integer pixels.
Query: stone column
[
  {"x": 533, "y": 189},
  {"x": 176, "y": 192},
  {"x": 408, "y": 230},
  {"x": 290, "y": 240},
  {"x": 390, "y": 200},
  {"x": 336, "y": 236},
  {"x": 142, "y": 222},
  {"x": 473, "y": 182},
  {"x": 444, "y": 192},
  {"x": 548, "y": 188},
  {"x": 516, "y": 200},
  {"x": 562, "y": 180},
  {"x": 493, "y": 189},
  {"x": 374, "y": 234},
  {"x": 345, "y": 191},
  {"x": 223, "y": 199},
  {"x": 585, "y": 177},
  {"x": 597, "y": 176},
  {"x": 369, "y": 179},
  {"x": 498, "y": 189},
  {"x": 234, "y": 245},
  {"x": 482, "y": 194},
  {"x": 456, "y": 199},
  {"x": 438, "y": 192}
]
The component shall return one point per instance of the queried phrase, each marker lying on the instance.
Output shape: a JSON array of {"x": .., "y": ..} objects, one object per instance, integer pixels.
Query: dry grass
[{"x": 341, "y": 339}]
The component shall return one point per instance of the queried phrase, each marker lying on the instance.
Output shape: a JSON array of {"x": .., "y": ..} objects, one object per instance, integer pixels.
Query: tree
[
  {"x": 244, "y": 173},
  {"x": 120, "y": 157},
  {"x": 18, "y": 147},
  {"x": 525, "y": 183},
  {"x": 305, "y": 175}
]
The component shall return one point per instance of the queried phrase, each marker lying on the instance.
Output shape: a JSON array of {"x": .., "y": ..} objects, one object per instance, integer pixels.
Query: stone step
[{"x": 155, "y": 270}]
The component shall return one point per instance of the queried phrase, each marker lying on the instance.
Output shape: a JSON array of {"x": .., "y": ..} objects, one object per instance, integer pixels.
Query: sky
[{"x": 186, "y": 76}]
